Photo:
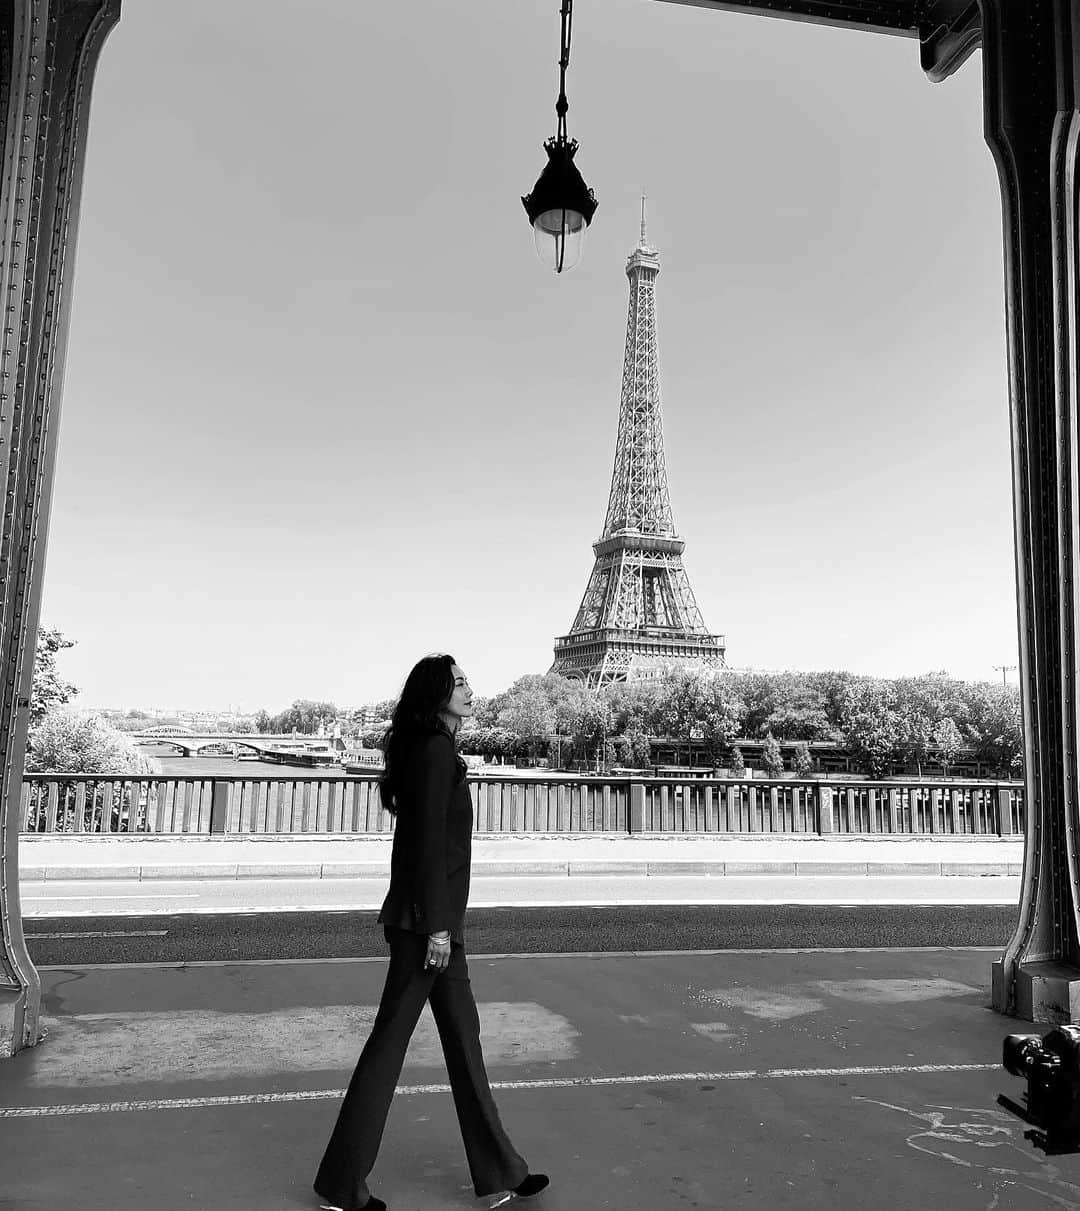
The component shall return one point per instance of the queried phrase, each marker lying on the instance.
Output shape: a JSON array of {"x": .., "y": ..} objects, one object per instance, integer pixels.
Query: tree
[
  {"x": 633, "y": 748},
  {"x": 134, "y": 720},
  {"x": 63, "y": 743},
  {"x": 793, "y": 706},
  {"x": 305, "y": 717},
  {"x": 555, "y": 691},
  {"x": 372, "y": 737},
  {"x": 803, "y": 763},
  {"x": 571, "y": 706},
  {"x": 871, "y": 723},
  {"x": 531, "y": 717},
  {"x": 832, "y": 688},
  {"x": 633, "y": 708},
  {"x": 488, "y": 741},
  {"x": 915, "y": 732},
  {"x": 948, "y": 741},
  {"x": 722, "y": 716},
  {"x": 771, "y": 758},
  {"x": 757, "y": 692},
  {"x": 994, "y": 728},
  {"x": 803, "y": 711},
  {"x": 49, "y": 692},
  {"x": 921, "y": 704},
  {"x": 593, "y": 730},
  {"x": 683, "y": 697}
]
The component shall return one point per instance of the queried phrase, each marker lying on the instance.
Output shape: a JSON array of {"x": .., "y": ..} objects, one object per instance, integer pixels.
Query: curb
[{"x": 495, "y": 870}]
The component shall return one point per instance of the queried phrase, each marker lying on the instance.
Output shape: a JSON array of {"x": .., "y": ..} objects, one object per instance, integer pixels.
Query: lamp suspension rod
[{"x": 562, "y": 105}]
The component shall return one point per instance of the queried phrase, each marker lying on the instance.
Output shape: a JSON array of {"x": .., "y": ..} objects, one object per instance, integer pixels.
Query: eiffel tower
[{"x": 638, "y": 614}]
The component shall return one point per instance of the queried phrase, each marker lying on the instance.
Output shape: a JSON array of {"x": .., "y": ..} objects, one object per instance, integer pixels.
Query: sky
[{"x": 325, "y": 411}]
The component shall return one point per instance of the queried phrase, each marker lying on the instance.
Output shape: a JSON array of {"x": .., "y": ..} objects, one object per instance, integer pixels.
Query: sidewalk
[{"x": 57, "y": 857}]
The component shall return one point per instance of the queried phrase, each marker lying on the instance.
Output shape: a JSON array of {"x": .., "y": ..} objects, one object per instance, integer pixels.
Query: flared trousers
[{"x": 350, "y": 1155}]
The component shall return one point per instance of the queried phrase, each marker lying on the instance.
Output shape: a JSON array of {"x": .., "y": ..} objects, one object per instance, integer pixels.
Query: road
[{"x": 232, "y": 937}]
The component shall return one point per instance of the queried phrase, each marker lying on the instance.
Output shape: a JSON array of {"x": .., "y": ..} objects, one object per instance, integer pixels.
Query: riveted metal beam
[
  {"x": 949, "y": 30},
  {"x": 48, "y": 52},
  {"x": 1031, "y": 100},
  {"x": 879, "y": 16}
]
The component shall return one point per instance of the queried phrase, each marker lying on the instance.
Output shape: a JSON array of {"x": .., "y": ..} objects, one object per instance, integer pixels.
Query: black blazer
[{"x": 430, "y": 861}]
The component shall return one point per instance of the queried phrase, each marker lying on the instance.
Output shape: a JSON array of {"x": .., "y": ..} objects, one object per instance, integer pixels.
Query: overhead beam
[
  {"x": 948, "y": 30},
  {"x": 880, "y": 16}
]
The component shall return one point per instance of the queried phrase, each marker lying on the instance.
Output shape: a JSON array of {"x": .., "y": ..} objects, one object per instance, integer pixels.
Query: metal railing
[
  {"x": 924, "y": 808},
  {"x": 339, "y": 805}
]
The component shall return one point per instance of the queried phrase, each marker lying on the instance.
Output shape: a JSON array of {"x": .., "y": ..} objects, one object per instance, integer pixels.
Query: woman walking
[{"x": 423, "y": 916}]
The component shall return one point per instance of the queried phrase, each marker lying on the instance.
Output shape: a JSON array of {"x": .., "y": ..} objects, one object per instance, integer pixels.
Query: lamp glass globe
[{"x": 560, "y": 238}]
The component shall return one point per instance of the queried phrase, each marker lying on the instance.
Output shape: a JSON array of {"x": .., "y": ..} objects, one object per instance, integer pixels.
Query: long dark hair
[{"x": 426, "y": 691}]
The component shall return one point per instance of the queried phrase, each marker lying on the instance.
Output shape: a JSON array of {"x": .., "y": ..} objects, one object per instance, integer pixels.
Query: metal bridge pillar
[
  {"x": 48, "y": 53},
  {"x": 1031, "y": 68}
]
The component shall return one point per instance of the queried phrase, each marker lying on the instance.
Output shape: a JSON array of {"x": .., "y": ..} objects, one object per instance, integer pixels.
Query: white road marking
[
  {"x": 654, "y": 1078},
  {"x": 580, "y": 902},
  {"x": 98, "y": 896},
  {"x": 529, "y": 956},
  {"x": 104, "y": 933},
  {"x": 987, "y": 899}
]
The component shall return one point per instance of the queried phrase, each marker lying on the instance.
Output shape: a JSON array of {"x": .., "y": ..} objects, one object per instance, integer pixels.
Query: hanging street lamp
[{"x": 561, "y": 205}]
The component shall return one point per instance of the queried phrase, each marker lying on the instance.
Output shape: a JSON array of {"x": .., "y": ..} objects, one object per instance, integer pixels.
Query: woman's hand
[{"x": 438, "y": 950}]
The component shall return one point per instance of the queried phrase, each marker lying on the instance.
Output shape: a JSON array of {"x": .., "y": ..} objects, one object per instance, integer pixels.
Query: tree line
[{"x": 924, "y": 722}]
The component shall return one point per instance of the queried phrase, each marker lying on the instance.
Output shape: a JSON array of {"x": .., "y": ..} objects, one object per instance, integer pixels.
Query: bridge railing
[
  {"x": 344, "y": 805},
  {"x": 926, "y": 808}
]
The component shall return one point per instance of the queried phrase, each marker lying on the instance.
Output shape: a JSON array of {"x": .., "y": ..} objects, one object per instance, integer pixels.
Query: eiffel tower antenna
[{"x": 639, "y": 613}]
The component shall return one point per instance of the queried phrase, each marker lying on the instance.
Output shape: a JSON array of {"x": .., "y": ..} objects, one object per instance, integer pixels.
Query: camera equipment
[{"x": 1051, "y": 1066}]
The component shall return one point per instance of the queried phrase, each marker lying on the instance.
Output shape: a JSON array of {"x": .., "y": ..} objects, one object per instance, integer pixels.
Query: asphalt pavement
[
  {"x": 842, "y": 1079},
  {"x": 193, "y": 938}
]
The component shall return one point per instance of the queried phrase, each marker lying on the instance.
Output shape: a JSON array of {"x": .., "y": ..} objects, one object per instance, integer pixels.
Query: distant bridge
[{"x": 272, "y": 747}]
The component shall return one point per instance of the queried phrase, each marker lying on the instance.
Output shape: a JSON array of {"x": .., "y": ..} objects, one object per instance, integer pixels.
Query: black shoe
[{"x": 533, "y": 1184}]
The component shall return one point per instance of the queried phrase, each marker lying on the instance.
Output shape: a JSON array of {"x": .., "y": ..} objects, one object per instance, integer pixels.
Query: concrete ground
[
  {"x": 842, "y": 1079},
  {"x": 118, "y": 897}
]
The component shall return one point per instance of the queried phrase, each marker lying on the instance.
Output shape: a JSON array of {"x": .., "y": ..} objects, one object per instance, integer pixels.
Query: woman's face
[{"x": 459, "y": 705}]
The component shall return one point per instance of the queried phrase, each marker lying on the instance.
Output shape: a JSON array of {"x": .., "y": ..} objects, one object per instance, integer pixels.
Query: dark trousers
[{"x": 350, "y": 1154}]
